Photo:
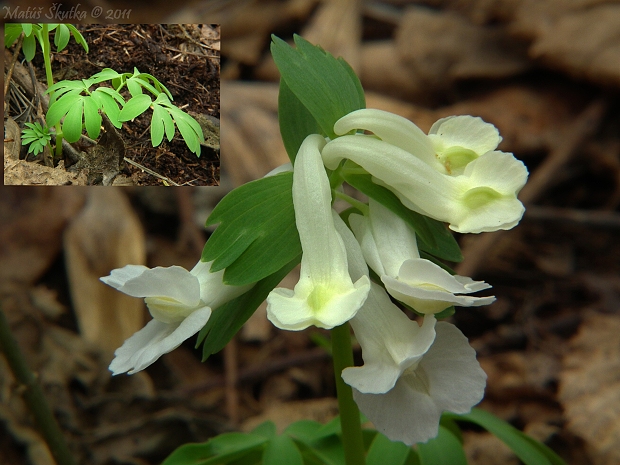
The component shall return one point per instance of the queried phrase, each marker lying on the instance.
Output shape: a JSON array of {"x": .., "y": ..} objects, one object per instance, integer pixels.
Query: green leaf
[
  {"x": 304, "y": 430},
  {"x": 327, "y": 451},
  {"x": 324, "y": 85},
  {"x": 188, "y": 132},
  {"x": 228, "y": 319},
  {"x": 282, "y": 450},
  {"x": 105, "y": 74},
  {"x": 433, "y": 236},
  {"x": 219, "y": 450},
  {"x": 134, "y": 87},
  {"x": 27, "y": 28},
  {"x": 157, "y": 125},
  {"x": 188, "y": 127},
  {"x": 29, "y": 47},
  {"x": 108, "y": 103},
  {"x": 266, "y": 429},
  {"x": 79, "y": 38},
  {"x": 11, "y": 33},
  {"x": 92, "y": 118},
  {"x": 61, "y": 37},
  {"x": 134, "y": 107},
  {"x": 383, "y": 451},
  {"x": 527, "y": 449},
  {"x": 256, "y": 235},
  {"x": 296, "y": 122},
  {"x": 445, "y": 448},
  {"x": 72, "y": 125}
]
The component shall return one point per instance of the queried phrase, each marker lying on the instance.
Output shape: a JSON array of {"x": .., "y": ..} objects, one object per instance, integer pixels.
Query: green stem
[
  {"x": 349, "y": 413},
  {"x": 33, "y": 395},
  {"x": 47, "y": 58},
  {"x": 361, "y": 206}
]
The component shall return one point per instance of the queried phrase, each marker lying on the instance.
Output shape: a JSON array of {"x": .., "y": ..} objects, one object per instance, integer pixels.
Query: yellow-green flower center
[
  {"x": 479, "y": 196},
  {"x": 456, "y": 158}
]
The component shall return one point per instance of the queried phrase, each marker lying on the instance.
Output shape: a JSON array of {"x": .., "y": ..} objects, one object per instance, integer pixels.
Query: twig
[
  {"x": 583, "y": 126},
  {"x": 605, "y": 219},
  {"x": 12, "y": 64},
  {"x": 33, "y": 395},
  {"x": 151, "y": 172}
]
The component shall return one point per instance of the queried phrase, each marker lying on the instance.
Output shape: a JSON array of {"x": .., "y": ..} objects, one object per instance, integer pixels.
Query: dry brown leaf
[
  {"x": 105, "y": 235},
  {"x": 337, "y": 27},
  {"x": 590, "y": 387},
  {"x": 31, "y": 225},
  {"x": 440, "y": 48}
]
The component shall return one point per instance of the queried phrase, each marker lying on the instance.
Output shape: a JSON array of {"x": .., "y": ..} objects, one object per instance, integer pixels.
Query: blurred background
[{"x": 546, "y": 73}]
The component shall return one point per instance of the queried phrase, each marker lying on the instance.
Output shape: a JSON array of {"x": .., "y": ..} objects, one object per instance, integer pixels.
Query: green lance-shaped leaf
[
  {"x": 29, "y": 47},
  {"x": 92, "y": 118},
  {"x": 134, "y": 107},
  {"x": 109, "y": 100},
  {"x": 157, "y": 125},
  {"x": 383, "y": 451},
  {"x": 296, "y": 122},
  {"x": 443, "y": 449},
  {"x": 282, "y": 450},
  {"x": 256, "y": 235},
  {"x": 11, "y": 33},
  {"x": 529, "y": 451},
  {"x": 79, "y": 38},
  {"x": 72, "y": 125},
  {"x": 61, "y": 37},
  {"x": 326, "y": 86},
  {"x": 220, "y": 450}
]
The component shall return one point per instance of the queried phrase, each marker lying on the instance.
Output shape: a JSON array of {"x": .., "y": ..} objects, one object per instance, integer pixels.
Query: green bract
[
  {"x": 318, "y": 89},
  {"x": 256, "y": 235}
]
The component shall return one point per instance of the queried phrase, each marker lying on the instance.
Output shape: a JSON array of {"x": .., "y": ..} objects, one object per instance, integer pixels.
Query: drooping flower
[
  {"x": 444, "y": 378},
  {"x": 325, "y": 295},
  {"x": 433, "y": 175},
  {"x": 180, "y": 302},
  {"x": 390, "y": 248},
  {"x": 411, "y": 373}
]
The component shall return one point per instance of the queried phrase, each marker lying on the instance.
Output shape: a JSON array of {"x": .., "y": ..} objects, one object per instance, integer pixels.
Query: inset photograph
[{"x": 112, "y": 104}]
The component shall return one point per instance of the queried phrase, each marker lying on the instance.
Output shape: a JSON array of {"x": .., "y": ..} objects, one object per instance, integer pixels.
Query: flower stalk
[
  {"x": 33, "y": 395},
  {"x": 352, "y": 440}
]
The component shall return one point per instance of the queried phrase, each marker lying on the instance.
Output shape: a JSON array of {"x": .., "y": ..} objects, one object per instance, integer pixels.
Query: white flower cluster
[{"x": 411, "y": 373}]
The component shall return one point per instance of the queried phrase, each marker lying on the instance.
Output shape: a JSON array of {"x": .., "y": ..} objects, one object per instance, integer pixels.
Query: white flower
[
  {"x": 390, "y": 248},
  {"x": 180, "y": 302},
  {"x": 411, "y": 373},
  {"x": 404, "y": 385},
  {"x": 325, "y": 295},
  {"x": 472, "y": 190}
]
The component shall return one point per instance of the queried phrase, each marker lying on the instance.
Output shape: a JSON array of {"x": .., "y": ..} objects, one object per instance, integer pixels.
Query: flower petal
[
  {"x": 391, "y": 343},
  {"x": 325, "y": 295},
  {"x": 448, "y": 378},
  {"x": 393, "y": 129},
  {"x": 419, "y": 186},
  {"x": 154, "y": 340},
  {"x": 213, "y": 291},
  {"x": 174, "y": 283},
  {"x": 464, "y": 131}
]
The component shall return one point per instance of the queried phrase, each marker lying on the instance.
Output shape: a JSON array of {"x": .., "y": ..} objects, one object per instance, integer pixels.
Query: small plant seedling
[
  {"x": 36, "y": 136},
  {"x": 80, "y": 105},
  {"x": 74, "y": 106}
]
